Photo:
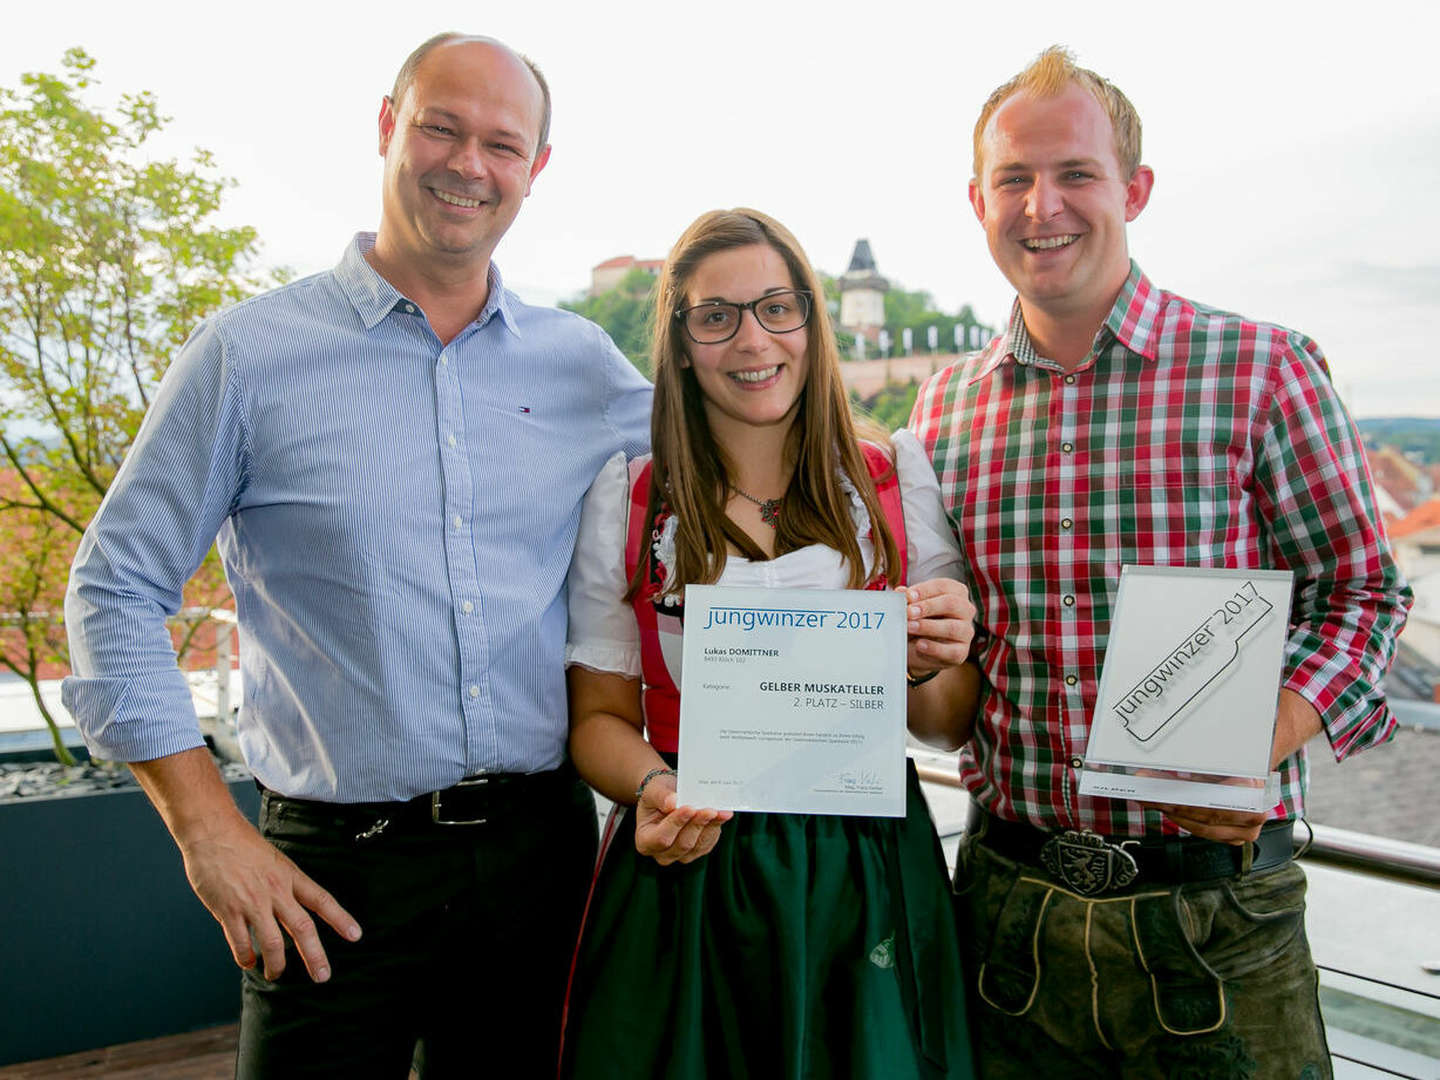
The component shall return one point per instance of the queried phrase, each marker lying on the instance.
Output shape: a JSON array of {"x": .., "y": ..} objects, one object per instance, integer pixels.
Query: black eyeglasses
[{"x": 715, "y": 321}]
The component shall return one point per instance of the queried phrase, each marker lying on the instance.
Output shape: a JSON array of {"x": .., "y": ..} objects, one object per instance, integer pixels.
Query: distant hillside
[{"x": 1408, "y": 434}]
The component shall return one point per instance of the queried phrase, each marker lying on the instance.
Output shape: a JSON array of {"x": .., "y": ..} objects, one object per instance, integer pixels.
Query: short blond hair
[{"x": 1048, "y": 75}]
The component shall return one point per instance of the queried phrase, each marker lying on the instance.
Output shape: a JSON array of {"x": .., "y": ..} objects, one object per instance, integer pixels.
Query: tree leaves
[
  {"x": 624, "y": 313},
  {"x": 108, "y": 259}
]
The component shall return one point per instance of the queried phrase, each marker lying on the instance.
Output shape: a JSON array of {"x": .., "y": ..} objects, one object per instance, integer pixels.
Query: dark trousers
[
  {"x": 1203, "y": 981},
  {"x": 468, "y": 936}
]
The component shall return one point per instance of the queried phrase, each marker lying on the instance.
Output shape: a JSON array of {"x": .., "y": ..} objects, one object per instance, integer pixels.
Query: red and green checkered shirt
[{"x": 1188, "y": 437}]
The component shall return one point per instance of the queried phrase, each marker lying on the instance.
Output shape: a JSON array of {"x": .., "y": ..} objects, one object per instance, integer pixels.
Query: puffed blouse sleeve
[
  {"x": 930, "y": 544},
  {"x": 603, "y": 635}
]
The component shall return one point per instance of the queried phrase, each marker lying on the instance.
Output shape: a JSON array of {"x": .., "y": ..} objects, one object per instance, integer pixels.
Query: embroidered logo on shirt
[{"x": 883, "y": 955}]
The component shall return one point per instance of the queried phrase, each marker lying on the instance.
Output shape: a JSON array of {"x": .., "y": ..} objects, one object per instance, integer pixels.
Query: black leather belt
[
  {"x": 473, "y": 801},
  {"x": 1090, "y": 864}
]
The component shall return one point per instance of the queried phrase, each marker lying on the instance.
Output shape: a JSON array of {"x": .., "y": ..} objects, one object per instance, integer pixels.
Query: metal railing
[
  {"x": 1376, "y": 1025},
  {"x": 1397, "y": 859}
]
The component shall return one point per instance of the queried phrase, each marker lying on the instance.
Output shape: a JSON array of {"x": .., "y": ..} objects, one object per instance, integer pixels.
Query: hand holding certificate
[
  {"x": 793, "y": 700},
  {"x": 669, "y": 832}
]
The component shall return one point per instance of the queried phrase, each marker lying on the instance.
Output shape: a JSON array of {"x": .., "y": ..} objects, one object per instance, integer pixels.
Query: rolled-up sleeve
[
  {"x": 1314, "y": 488},
  {"x": 182, "y": 478}
]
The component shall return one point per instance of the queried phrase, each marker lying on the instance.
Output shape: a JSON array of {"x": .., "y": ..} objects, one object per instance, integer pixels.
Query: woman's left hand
[{"x": 940, "y": 620}]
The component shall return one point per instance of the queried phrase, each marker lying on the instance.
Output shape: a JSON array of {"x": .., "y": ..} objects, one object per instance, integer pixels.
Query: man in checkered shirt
[{"x": 1117, "y": 423}]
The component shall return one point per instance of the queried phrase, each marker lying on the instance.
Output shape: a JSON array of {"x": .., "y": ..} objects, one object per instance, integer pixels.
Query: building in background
[
  {"x": 611, "y": 272},
  {"x": 1402, "y": 482},
  {"x": 1416, "y": 541},
  {"x": 862, "y": 295}
]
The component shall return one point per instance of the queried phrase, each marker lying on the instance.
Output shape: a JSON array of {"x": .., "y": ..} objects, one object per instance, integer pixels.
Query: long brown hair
[{"x": 689, "y": 473}]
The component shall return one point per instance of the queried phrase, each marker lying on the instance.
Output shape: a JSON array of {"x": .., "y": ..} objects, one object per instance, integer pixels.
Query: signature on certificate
[{"x": 861, "y": 780}]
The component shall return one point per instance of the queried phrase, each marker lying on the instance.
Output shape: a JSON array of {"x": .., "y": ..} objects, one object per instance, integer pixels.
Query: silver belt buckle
[
  {"x": 435, "y": 817},
  {"x": 1085, "y": 863}
]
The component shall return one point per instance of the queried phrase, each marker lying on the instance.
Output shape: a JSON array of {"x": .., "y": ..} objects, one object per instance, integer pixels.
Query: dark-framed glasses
[{"x": 715, "y": 321}]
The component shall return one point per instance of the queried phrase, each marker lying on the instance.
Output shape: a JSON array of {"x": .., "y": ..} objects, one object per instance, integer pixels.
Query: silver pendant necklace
[{"x": 769, "y": 508}]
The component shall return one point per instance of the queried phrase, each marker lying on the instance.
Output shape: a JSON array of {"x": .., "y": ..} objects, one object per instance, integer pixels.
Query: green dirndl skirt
[{"x": 801, "y": 946}]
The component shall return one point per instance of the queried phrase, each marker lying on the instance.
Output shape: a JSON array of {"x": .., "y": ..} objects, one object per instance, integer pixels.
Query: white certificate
[
  {"x": 1188, "y": 693},
  {"x": 793, "y": 700}
]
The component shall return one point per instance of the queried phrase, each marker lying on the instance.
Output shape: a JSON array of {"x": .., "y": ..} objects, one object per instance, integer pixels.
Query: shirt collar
[
  {"x": 499, "y": 301},
  {"x": 370, "y": 294},
  {"x": 1131, "y": 322},
  {"x": 373, "y": 297},
  {"x": 1135, "y": 314},
  {"x": 1005, "y": 346}
]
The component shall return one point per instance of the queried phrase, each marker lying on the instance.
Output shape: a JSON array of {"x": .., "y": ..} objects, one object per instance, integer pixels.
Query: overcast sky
[{"x": 1297, "y": 154}]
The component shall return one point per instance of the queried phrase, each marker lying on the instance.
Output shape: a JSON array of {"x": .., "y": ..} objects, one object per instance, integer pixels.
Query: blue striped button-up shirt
[{"x": 396, "y": 518}]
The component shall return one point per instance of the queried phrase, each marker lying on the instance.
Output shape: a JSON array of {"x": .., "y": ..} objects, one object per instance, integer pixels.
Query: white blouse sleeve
[
  {"x": 603, "y": 635},
  {"x": 931, "y": 549}
]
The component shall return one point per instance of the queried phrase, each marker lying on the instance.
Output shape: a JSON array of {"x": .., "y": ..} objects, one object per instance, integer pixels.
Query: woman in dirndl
[{"x": 757, "y": 944}]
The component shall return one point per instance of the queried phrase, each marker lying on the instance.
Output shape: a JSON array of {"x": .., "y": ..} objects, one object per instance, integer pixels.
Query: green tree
[
  {"x": 1413, "y": 436},
  {"x": 107, "y": 261},
  {"x": 916, "y": 312},
  {"x": 891, "y": 407},
  {"x": 910, "y": 309},
  {"x": 844, "y": 339},
  {"x": 624, "y": 313}
]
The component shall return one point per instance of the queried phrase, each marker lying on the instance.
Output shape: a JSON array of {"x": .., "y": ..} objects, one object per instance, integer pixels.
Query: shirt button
[
  {"x": 1067, "y": 447},
  {"x": 1070, "y": 680},
  {"x": 458, "y": 520},
  {"x": 444, "y": 359},
  {"x": 450, "y": 439},
  {"x": 410, "y": 309},
  {"x": 1069, "y": 380},
  {"x": 474, "y": 691},
  {"x": 1065, "y": 523},
  {"x": 1076, "y": 762},
  {"x": 467, "y": 607},
  {"x": 1067, "y": 600}
]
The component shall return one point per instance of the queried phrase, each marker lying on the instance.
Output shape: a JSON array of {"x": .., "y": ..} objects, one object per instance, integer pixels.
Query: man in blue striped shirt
[{"x": 393, "y": 456}]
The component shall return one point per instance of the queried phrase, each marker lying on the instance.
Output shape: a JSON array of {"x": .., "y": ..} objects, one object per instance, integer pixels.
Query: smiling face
[
  {"x": 756, "y": 379},
  {"x": 1054, "y": 203},
  {"x": 460, "y": 156}
]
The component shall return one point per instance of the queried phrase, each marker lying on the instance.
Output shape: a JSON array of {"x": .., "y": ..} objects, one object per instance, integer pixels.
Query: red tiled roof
[
  {"x": 619, "y": 261},
  {"x": 1425, "y": 516},
  {"x": 1401, "y": 478}
]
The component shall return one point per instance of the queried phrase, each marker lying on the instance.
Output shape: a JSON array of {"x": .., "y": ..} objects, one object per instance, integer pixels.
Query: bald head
[{"x": 406, "y": 75}]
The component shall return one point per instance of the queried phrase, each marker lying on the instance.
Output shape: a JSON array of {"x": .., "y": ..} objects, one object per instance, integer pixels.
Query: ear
[
  {"x": 387, "y": 123},
  {"x": 977, "y": 201},
  {"x": 1137, "y": 191},
  {"x": 539, "y": 163}
]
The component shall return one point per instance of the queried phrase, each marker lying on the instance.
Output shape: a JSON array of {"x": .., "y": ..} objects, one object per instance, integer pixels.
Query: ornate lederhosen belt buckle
[{"x": 1086, "y": 863}]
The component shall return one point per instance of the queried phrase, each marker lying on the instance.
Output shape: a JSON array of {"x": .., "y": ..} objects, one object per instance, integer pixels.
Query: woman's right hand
[{"x": 669, "y": 833}]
